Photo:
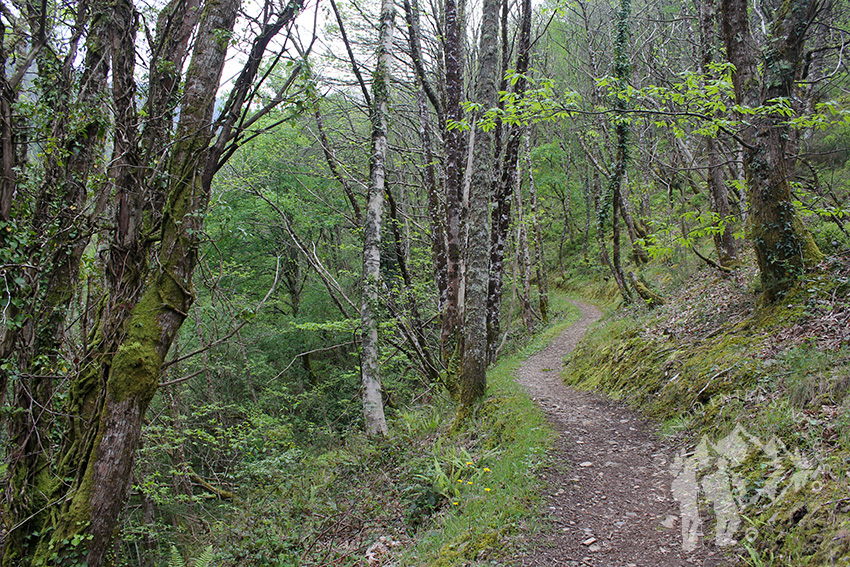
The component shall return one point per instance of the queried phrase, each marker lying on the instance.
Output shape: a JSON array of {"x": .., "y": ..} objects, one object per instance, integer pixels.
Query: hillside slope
[{"x": 757, "y": 397}]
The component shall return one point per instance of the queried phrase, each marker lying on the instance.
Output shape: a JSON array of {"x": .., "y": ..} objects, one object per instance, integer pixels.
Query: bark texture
[
  {"x": 68, "y": 513},
  {"x": 105, "y": 453},
  {"x": 373, "y": 405},
  {"x": 454, "y": 151},
  {"x": 39, "y": 339},
  {"x": 501, "y": 213},
  {"x": 783, "y": 246},
  {"x": 474, "y": 343}
]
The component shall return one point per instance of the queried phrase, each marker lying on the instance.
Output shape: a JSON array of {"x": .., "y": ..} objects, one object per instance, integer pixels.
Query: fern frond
[
  {"x": 205, "y": 559},
  {"x": 176, "y": 558}
]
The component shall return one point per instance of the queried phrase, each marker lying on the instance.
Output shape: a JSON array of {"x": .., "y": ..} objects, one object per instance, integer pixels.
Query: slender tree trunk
[
  {"x": 373, "y": 405},
  {"x": 8, "y": 96},
  {"x": 436, "y": 203},
  {"x": 588, "y": 206},
  {"x": 615, "y": 252},
  {"x": 501, "y": 213},
  {"x": 454, "y": 150},
  {"x": 724, "y": 242},
  {"x": 413, "y": 331},
  {"x": 249, "y": 380},
  {"x": 622, "y": 68},
  {"x": 523, "y": 259},
  {"x": 333, "y": 164},
  {"x": 474, "y": 343},
  {"x": 639, "y": 253},
  {"x": 604, "y": 258},
  {"x": 436, "y": 208},
  {"x": 539, "y": 253}
]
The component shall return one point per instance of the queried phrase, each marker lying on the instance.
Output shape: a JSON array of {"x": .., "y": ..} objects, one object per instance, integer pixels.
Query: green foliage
[
  {"x": 176, "y": 558},
  {"x": 205, "y": 559},
  {"x": 667, "y": 238}
]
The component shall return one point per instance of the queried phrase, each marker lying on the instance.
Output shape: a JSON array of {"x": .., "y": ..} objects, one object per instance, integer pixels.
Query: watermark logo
[{"x": 708, "y": 477}]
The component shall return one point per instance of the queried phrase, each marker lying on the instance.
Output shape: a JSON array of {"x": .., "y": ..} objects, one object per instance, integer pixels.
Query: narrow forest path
[{"x": 607, "y": 490}]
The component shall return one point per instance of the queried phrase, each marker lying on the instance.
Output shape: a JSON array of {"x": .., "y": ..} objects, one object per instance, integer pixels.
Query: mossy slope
[{"x": 709, "y": 360}]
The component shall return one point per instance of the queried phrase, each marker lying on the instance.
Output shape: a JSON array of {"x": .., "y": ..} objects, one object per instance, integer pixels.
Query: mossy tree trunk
[
  {"x": 59, "y": 213},
  {"x": 100, "y": 456},
  {"x": 613, "y": 196},
  {"x": 783, "y": 246},
  {"x": 68, "y": 514}
]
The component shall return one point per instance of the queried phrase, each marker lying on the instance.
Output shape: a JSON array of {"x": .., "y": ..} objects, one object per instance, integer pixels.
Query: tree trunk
[
  {"x": 622, "y": 68},
  {"x": 454, "y": 150},
  {"x": 436, "y": 203},
  {"x": 523, "y": 260},
  {"x": 588, "y": 202},
  {"x": 436, "y": 210},
  {"x": 142, "y": 307},
  {"x": 108, "y": 450},
  {"x": 501, "y": 213},
  {"x": 639, "y": 253},
  {"x": 616, "y": 263},
  {"x": 373, "y": 405},
  {"x": 539, "y": 253},
  {"x": 42, "y": 332},
  {"x": 783, "y": 246},
  {"x": 473, "y": 380},
  {"x": 724, "y": 242}
]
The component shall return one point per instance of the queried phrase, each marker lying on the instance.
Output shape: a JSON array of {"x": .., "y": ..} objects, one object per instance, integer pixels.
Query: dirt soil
[{"x": 607, "y": 494}]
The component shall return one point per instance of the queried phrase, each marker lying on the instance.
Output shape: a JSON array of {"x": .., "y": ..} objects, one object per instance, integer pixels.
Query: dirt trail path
[{"x": 608, "y": 490}]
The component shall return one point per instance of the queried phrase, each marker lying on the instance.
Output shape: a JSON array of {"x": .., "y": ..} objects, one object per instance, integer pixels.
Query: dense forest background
[{"x": 257, "y": 258}]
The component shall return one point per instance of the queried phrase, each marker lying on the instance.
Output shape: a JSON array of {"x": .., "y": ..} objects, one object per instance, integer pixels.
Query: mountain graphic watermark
[{"x": 708, "y": 479}]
